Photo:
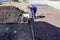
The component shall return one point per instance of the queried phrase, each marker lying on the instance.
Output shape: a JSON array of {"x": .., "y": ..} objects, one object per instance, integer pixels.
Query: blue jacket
[{"x": 32, "y": 7}]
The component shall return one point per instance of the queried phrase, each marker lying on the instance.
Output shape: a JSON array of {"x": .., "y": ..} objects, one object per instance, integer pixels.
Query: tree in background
[
  {"x": 24, "y": 0},
  {"x": 15, "y": 0},
  {"x": 18, "y": 0}
]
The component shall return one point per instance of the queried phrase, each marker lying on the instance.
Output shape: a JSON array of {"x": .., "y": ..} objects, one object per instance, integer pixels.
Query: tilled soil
[
  {"x": 23, "y": 31},
  {"x": 10, "y": 14},
  {"x": 46, "y": 31},
  {"x": 42, "y": 31}
]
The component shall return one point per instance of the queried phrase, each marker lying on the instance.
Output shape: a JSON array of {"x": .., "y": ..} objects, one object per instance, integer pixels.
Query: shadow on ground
[
  {"x": 22, "y": 31},
  {"x": 37, "y": 17}
]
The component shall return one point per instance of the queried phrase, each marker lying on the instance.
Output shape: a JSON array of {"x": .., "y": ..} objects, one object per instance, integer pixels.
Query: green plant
[
  {"x": 14, "y": 0},
  {"x": 24, "y": 0}
]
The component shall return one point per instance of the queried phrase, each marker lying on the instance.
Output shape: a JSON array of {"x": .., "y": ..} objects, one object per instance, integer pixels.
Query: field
[{"x": 46, "y": 25}]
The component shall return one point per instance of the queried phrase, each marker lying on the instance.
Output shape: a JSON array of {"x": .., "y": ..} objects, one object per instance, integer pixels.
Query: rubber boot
[{"x": 31, "y": 20}]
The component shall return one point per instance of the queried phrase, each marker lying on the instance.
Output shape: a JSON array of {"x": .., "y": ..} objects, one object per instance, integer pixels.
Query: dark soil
[
  {"x": 23, "y": 31},
  {"x": 42, "y": 31},
  {"x": 46, "y": 31}
]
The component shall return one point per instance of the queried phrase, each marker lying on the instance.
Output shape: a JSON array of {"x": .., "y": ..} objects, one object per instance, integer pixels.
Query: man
[{"x": 33, "y": 10}]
